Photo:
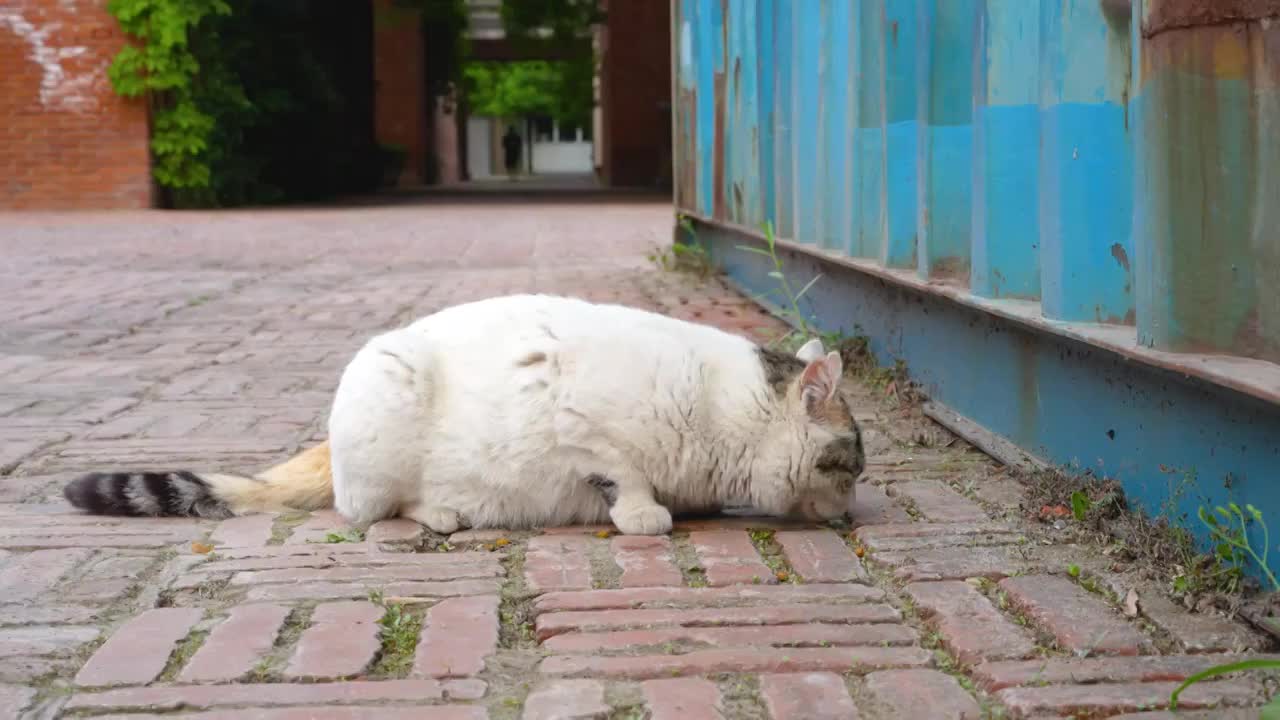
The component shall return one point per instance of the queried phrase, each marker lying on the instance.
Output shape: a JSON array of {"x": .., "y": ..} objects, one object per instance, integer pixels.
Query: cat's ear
[
  {"x": 811, "y": 350},
  {"x": 819, "y": 381}
]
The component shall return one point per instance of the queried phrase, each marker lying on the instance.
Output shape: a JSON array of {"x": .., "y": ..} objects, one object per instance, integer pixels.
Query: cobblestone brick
[
  {"x": 482, "y": 568},
  {"x": 202, "y": 697},
  {"x": 1114, "y": 698},
  {"x": 457, "y": 635},
  {"x": 107, "y": 579},
  {"x": 696, "y": 597},
  {"x": 342, "y": 641},
  {"x": 119, "y": 368},
  {"x": 1198, "y": 632},
  {"x": 395, "y": 531},
  {"x": 566, "y": 700},
  {"x": 939, "y": 503},
  {"x": 236, "y": 644},
  {"x": 1078, "y": 619},
  {"x": 874, "y": 507},
  {"x": 921, "y": 693},
  {"x": 820, "y": 556},
  {"x": 971, "y": 627},
  {"x": 30, "y": 574},
  {"x": 957, "y": 562},
  {"x": 13, "y": 700},
  {"x": 809, "y": 635},
  {"x": 645, "y": 561},
  {"x": 682, "y": 699},
  {"x": 139, "y": 650},
  {"x": 556, "y": 623},
  {"x": 557, "y": 562},
  {"x": 44, "y": 640},
  {"x": 816, "y": 695},
  {"x": 244, "y": 531},
  {"x": 999, "y": 675},
  {"x": 344, "y": 590},
  {"x": 729, "y": 558},
  {"x": 705, "y": 662}
]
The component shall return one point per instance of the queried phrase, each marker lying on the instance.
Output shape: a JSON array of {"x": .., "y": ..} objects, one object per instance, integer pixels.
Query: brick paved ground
[{"x": 214, "y": 341}]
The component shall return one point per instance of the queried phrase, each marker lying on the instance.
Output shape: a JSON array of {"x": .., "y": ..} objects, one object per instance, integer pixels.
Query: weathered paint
[
  {"x": 784, "y": 63},
  {"x": 1086, "y": 176},
  {"x": 1045, "y": 207},
  {"x": 807, "y": 110},
  {"x": 1209, "y": 197},
  {"x": 765, "y": 120},
  {"x": 1175, "y": 442},
  {"x": 1006, "y": 147},
  {"x": 900, "y": 132},
  {"x": 945, "y": 106},
  {"x": 836, "y": 159},
  {"x": 869, "y": 132}
]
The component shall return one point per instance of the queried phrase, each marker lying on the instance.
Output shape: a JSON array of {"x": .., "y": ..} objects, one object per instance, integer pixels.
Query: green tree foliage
[
  {"x": 559, "y": 89},
  {"x": 163, "y": 67},
  {"x": 566, "y": 19},
  {"x": 245, "y": 99}
]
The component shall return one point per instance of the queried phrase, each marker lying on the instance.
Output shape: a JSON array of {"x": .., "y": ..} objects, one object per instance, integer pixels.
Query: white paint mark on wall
[{"x": 59, "y": 89}]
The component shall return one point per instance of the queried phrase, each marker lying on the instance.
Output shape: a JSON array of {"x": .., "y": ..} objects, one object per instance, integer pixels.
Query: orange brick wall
[
  {"x": 400, "y": 101},
  {"x": 635, "y": 92},
  {"x": 66, "y": 140}
]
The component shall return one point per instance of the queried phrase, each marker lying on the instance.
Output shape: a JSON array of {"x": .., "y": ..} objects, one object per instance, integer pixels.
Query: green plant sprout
[
  {"x": 792, "y": 299},
  {"x": 1228, "y": 526},
  {"x": 692, "y": 257}
]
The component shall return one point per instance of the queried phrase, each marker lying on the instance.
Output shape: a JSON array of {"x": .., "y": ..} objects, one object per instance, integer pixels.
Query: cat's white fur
[{"x": 494, "y": 413}]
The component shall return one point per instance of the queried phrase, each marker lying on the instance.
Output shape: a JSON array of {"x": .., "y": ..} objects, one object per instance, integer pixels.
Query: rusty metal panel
[
  {"x": 1064, "y": 215},
  {"x": 1112, "y": 161},
  {"x": 1209, "y": 193}
]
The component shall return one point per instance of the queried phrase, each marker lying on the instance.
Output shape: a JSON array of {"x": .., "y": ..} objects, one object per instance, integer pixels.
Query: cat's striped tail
[{"x": 304, "y": 482}]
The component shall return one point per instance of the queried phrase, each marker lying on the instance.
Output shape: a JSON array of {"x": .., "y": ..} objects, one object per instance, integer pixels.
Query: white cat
[{"x": 529, "y": 411}]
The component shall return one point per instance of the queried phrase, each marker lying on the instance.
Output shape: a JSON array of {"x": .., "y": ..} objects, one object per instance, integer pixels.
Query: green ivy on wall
[
  {"x": 252, "y": 101},
  {"x": 163, "y": 68}
]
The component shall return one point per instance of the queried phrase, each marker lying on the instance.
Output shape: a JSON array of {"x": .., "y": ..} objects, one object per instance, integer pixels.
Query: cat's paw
[
  {"x": 642, "y": 520},
  {"x": 440, "y": 520}
]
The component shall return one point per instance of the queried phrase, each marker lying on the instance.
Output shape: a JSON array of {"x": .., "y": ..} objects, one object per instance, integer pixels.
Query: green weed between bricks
[
  {"x": 691, "y": 257},
  {"x": 789, "y": 308},
  {"x": 398, "y": 632},
  {"x": 1228, "y": 526}
]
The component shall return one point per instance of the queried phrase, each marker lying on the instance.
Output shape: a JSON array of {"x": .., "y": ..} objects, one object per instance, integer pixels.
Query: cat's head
[{"x": 808, "y": 465}]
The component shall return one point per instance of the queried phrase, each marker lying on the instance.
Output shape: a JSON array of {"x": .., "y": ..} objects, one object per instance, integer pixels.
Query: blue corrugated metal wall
[{"x": 1103, "y": 171}]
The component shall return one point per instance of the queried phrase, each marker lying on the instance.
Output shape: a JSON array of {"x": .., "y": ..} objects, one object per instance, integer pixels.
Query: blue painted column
[
  {"x": 833, "y": 109},
  {"x": 747, "y": 78},
  {"x": 806, "y": 112},
  {"x": 710, "y": 59},
  {"x": 763, "y": 66},
  {"x": 900, "y": 132},
  {"x": 783, "y": 118},
  {"x": 945, "y": 107},
  {"x": 1085, "y": 164},
  {"x": 1208, "y": 203},
  {"x": 1006, "y": 149},
  {"x": 685, "y": 108},
  {"x": 868, "y": 240}
]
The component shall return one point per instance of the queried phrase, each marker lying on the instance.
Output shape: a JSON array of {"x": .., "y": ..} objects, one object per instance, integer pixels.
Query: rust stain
[
  {"x": 1164, "y": 15},
  {"x": 953, "y": 268},
  {"x": 717, "y": 152},
  {"x": 688, "y": 150},
  {"x": 1122, "y": 257},
  {"x": 717, "y": 157},
  {"x": 893, "y": 31},
  {"x": 1028, "y": 389}
]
